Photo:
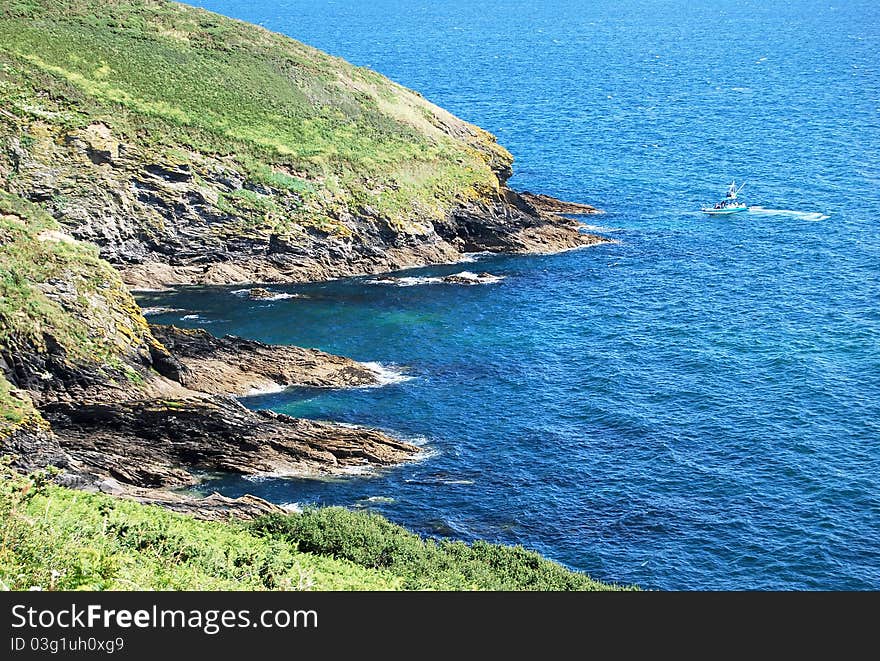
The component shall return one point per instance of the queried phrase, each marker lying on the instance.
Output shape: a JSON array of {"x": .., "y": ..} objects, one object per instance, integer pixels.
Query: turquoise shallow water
[{"x": 694, "y": 407}]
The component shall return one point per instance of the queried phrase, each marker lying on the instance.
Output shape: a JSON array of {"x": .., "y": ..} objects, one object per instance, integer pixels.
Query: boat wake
[{"x": 800, "y": 215}]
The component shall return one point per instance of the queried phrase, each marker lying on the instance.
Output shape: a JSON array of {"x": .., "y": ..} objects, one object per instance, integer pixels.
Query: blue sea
[{"x": 693, "y": 407}]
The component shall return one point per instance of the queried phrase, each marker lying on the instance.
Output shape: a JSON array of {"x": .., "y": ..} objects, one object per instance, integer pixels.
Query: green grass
[
  {"x": 58, "y": 539},
  {"x": 182, "y": 85},
  {"x": 15, "y": 406},
  {"x": 95, "y": 320},
  {"x": 164, "y": 75}
]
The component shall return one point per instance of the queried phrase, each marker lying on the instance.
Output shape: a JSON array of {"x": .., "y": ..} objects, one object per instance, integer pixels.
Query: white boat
[{"x": 730, "y": 204}]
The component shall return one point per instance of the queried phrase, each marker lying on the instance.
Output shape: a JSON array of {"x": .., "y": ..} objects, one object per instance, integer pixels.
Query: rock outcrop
[
  {"x": 545, "y": 204},
  {"x": 157, "y": 443},
  {"x": 233, "y": 365},
  {"x": 299, "y": 167},
  {"x": 160, "y": 224},
  {"x": 88, "y": 386}
]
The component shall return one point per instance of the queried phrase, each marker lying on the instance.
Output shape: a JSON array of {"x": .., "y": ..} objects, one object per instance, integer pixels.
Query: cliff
[
  {"x": 146, "y": 143},
  {"x": 192, "y": 148}
]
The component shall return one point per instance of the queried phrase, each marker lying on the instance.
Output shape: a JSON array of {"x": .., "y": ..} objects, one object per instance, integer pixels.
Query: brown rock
[
  {"x": 260, "y": 293},
  {"x": 233, "y": 365},
  {"x": 547, "y": 204}
]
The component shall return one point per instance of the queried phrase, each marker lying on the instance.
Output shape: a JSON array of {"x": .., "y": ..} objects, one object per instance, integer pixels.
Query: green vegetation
[
  {"x": 371, "y": 541},
  {"x": 55, "y": 538},
  {"x": 94, "y": 94},
  {"x": 177, "y": 79},
  {"x": 59, "y": 539},
  {"x": 91, "y": 316},
  {"x": 15, "y": 406}
]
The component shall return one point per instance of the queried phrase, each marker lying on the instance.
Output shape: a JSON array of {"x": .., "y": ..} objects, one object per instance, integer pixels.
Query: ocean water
[{"x": 696, "y": 406}]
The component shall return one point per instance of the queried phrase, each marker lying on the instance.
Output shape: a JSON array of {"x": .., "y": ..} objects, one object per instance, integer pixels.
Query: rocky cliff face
[{"x": 199, "y": 220}]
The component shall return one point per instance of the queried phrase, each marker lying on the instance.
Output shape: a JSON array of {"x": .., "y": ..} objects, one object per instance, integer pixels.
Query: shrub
[{"x": 369, "y": 540}]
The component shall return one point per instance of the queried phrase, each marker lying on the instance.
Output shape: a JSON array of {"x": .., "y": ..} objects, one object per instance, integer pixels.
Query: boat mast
[{"x": 733, "y": 190}]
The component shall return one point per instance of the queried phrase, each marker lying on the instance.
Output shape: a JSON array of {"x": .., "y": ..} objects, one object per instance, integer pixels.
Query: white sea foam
[
  {"x": 363, "y": 469},
  {"x": 425, "y": 452},
  {"x": 405, "y": 282},
  {"x": 479, "y": 279},
  {"x": 257, "y": 478},
  {"x": 266, "y": 390},
  {"x": 387, "y": 374},
  {"x": 418, "y": 441},
  {"x": 188, "y": 317},
  {"x": 469, "y": 278},
  {"x": 378, "y": 499},
  {"x": 296, "y": 508},
  {"x": 159, "y": 310},
  {"x": 276, "y": 296},
  {"x": 599, "y": 228},
  {"x": 800, "y": 215},
  {"x": 470, "y": 257}
]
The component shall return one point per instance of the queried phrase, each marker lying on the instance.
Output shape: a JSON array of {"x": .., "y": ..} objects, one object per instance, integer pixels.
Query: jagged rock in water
[
  {"x": 550, "y": 205},
  {"x": 233, "y": 365},
  {"x": 156, "y": 443},
  {"x": 258, "y": 293},
  {"x": 468, "y": 278}
]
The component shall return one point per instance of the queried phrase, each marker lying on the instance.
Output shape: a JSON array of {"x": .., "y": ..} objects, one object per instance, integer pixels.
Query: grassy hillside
[
  {"x": 54, "y": 538},
  {"x": 183, "y": 82},
  {"x": 58, "y": 539}
]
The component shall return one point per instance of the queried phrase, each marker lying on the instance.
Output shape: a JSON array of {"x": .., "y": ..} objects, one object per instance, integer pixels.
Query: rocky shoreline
[
  {"x": 146, "y": 441},
  {"x": 545, "y": 204},
  {"x": 163, "y": 223},
  {"x": 148, "y": 438},
  {"x": 157, "y": 443},
  {"x": 235, "y": 366},
  {"x": 509, "y": 223}
]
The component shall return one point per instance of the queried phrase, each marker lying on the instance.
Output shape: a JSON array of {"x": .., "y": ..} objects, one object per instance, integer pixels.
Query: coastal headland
[{"x": 260, "y": 161}]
